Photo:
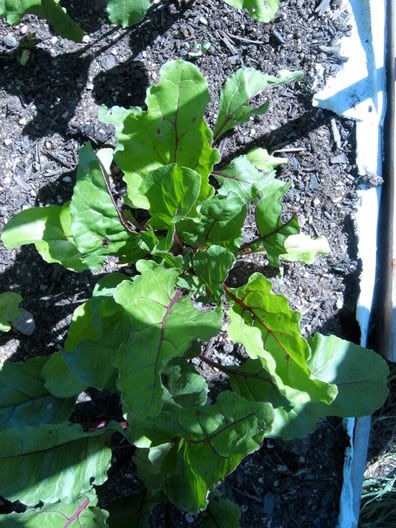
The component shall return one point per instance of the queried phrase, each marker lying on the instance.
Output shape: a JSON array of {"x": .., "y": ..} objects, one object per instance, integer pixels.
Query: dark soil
[{"x": 48, "y": 109}]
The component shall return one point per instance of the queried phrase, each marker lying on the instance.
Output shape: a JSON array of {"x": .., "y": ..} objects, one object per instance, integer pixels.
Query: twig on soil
[
  {"x": 243, "y": 39},
  {"x": 59, "y": 159},
  {"x": 292, "y": 149},
  {"x": 226, "y": 41},
  {"x": 336, "y": 133}
]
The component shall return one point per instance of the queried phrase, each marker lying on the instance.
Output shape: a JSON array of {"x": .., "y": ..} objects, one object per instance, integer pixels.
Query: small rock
[
  {"x": 24, "y": 30},
  {"x": 25, "y": 323},
  {"x": 341, "y": 158},
  {"x": 228, "y": 348},
  {"x": 313, "y": 183},
  {"x": 66, "y": 179},
  {"x": 203, "y": 21},
  {"x": 339, "y": 304},
  {"x": 10, "y": 41},
  {"x": 316, "y": 202},
  {"x": 107, "y": 62},
  {"x": 268, "y": 506},
  {"x": 7, "y": 142},
  {"x": 282, "y": 469},
  {"x": 86, "y": 39}
]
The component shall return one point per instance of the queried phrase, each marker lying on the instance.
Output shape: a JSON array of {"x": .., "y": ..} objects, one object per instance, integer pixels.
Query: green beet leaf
[
  {"x": 107, "y": 286},
  {"x": 222, "y": 219},
  {"x": 253, "y": 381},
  {"x": 162, "y": 325},
  {"x": 172, "y": 192},
  {"x": 293, "y": 422},
  {"x": 186, "y": 387},
  {"x": 13, "y": 10},
  {"x": 221, "y": 513},
  {"x": 90, "y": 345},
  {"x": 9, "y": 309},
  {"x": 51, "y": 463},
  {"x": 97, "y": 228},
  {"x": 273, "y": 233},
  {"x": 160, "y": 247},
  {"x": 172, "y": 130},
  {"x": 240, "y": 177},
  {"x": 360, "y": 375},
  {"x": 237, "y": 92},
  {"x": 148, "y": 464},
  {"x": 302, "y": 248},
  {"x": 83, "y": 513},
  {"x": 51, "y": 10},
  {"x": 213, "y": 441},
  {"x": 261, "y": 10},
  {"x": 133, "y": 511},
  {"x": 24, "y": 400},
  {"x": 269, "y": 329},
  {"x": 127, "y": 12},
  {"x": 212, "y": 267},
  {"x": 49, "y": 229},
  {"x": 263, "y": 161},
  {"x": 116, "y": 115},
  {"x": 59, "y": 379},
  {"x": 58, "y": 19},
  {"x": 98, "y": 329}
]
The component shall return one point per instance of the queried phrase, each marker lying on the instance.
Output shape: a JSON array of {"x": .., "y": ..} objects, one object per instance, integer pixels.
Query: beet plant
[
  {"x": 179, "y": 229},
  {"x": 123, "y": 12}
]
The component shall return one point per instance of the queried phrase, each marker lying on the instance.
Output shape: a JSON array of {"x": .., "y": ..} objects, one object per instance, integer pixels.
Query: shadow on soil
[
  {"x": 59, "y": 81},
  {"x": 51, "y": 293}
]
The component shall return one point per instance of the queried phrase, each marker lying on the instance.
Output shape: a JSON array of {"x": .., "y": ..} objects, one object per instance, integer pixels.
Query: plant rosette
[{"x": 181, "y": 226}]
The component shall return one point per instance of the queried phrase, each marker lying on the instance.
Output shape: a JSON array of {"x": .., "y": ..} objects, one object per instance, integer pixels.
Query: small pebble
[
  {"x": 25, "y": 323},
  {"x": 339, "y": 304},
  {"x": 203, "y": 21},
  {"x": 316, "y": 202},
  {"x": 10, "y": 41},
  {"x": 107, "y": 62},
  {"x": 66, "y": 179}
]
